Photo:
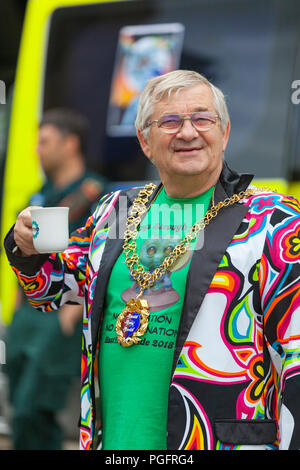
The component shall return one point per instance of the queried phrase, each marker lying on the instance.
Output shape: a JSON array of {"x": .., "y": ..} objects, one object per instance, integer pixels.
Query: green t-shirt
[{"x": 134, "y": 381}]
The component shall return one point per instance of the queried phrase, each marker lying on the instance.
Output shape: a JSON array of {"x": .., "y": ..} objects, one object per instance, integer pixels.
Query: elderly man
[{"x": 190, "y": 333}]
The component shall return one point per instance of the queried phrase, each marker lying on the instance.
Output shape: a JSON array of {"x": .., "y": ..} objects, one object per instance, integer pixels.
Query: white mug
[{"x": 50, "y": 229}]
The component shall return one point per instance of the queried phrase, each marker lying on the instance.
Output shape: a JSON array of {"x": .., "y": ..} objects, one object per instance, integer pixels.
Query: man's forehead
[{"x": 200, "y": 95}]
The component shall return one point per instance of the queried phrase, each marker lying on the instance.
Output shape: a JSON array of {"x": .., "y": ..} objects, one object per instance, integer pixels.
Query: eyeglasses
[{"x": 172, "y": 123}]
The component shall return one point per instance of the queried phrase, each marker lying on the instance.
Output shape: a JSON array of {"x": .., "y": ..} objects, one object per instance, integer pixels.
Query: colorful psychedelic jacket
[{"x": 236, "y": 370}]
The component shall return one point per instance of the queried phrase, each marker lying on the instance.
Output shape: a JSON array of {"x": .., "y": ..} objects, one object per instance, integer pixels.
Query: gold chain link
[{"x": 146, "y": 279}]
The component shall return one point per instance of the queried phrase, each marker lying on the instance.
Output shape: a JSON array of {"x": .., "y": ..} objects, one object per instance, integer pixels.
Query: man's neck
[{"x": 189, "y": 186}]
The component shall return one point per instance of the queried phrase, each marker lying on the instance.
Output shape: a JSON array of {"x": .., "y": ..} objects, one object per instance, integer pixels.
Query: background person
[{"x": 43, "y": 351}]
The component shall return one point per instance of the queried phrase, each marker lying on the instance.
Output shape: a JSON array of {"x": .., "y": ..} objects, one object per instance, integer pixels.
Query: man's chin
[{"x": 189, "y": 168}]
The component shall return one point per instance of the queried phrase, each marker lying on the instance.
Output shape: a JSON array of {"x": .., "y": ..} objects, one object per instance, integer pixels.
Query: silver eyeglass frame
[{"x": 174, "y": 131}]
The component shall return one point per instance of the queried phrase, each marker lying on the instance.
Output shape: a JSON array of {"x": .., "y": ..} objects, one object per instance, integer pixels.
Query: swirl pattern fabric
[{"x": 241, "y": 358}]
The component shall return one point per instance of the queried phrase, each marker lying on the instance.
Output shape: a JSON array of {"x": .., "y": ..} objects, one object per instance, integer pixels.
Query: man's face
[
  {"x": 50, "y": 148},
  {"x": 187, "y": 152}
]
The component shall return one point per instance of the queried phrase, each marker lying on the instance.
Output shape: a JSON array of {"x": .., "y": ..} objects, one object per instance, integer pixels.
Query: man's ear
[
  {"x": 144, "y": 143},
  {"x": 226, "y": 136}
]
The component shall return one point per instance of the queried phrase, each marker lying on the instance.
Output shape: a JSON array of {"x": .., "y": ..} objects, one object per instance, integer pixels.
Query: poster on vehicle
[{"x": 143, "y": 52}]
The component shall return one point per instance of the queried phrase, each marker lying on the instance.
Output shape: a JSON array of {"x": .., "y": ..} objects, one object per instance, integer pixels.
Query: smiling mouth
[{"x": 188, "y": 150}]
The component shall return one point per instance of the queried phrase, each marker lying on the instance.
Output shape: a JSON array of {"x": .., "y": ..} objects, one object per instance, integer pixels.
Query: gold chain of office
[
  {"x": 132, "y": 322},
  {"x": 146, "y": 279}
]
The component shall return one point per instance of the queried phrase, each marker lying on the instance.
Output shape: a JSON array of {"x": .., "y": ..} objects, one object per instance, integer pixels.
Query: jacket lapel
[
  {"x": 112, "y": 250},
  {"x": 205, "y": 261}
]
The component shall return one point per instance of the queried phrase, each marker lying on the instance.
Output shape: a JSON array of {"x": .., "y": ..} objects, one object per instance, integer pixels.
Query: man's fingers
[
  {"x": 25, "y": 216},
  {"x": 23, "y": 232}
]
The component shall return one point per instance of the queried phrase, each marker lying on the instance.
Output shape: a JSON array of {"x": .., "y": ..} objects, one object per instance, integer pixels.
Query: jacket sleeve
[
  {"x": 50, "y": 281},
  {"x": 279, "y": 279}
]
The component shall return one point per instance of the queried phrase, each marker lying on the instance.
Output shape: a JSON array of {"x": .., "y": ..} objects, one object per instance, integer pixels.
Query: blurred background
[{"x": 95, "y": 57}]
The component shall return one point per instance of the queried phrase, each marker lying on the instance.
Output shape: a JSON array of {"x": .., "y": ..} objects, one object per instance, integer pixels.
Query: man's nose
[{"x": 187, "y": 130}]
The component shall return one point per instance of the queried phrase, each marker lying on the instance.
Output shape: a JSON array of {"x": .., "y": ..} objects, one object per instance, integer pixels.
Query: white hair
[{"x": 174, "y": 82}]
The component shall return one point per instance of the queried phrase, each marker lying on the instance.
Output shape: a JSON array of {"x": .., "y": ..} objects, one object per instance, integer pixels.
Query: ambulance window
[{"x": 245, "y": 47}]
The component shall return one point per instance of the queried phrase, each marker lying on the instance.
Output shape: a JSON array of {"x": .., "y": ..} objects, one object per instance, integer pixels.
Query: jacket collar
[{"x": 233, "y": 182}]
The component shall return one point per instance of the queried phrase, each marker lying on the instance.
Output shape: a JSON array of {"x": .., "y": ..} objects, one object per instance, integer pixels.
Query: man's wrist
[
  {"x": 17, "y": 251},
  {"x": 29, "y": 264}
]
